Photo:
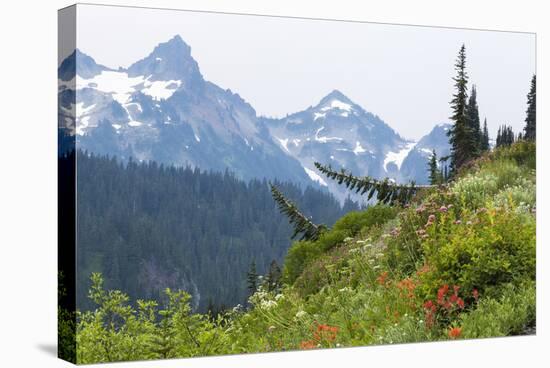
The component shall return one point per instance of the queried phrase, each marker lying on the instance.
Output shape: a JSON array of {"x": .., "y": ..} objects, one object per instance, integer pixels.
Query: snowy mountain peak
[
  {"x": 170, "y": 60},
  {"x": 335, "y": 100},
  {"x": 336, "y": 95}
]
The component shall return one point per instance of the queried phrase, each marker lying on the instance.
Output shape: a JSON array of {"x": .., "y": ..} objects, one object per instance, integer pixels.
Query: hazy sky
[{"x": 283, "y": 65}]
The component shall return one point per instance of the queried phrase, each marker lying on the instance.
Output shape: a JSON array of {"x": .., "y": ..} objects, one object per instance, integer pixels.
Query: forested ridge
[{"x": 146, "y": 227}]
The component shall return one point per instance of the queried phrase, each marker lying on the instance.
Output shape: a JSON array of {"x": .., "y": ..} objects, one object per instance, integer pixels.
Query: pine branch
[
  {"x": 385, "y": 190},
  {"x": 302, "y": 224}
]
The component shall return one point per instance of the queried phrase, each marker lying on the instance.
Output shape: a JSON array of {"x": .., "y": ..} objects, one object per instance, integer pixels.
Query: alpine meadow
[{"x": 191, "y": 224}]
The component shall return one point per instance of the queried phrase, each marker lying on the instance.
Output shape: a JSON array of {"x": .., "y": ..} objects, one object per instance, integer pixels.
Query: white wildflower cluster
[
  {"x": 364, "y": 247},
  {"x": 279, "y": 297},
  {"x": 301, "y": 314},
  {"x": 521, "y": 197},
  {"x": 262, "y": 299},
  {"x": 268, "y": 304},
  {"x": 344, "y": 289}
]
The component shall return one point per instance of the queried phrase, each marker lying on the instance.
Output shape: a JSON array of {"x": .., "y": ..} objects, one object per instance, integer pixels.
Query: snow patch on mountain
[
  {"x": 325, "y": 139},
  {"x": 318, "y": 115},
  {"x": 315, "y": 177},
  {"x": 121, "y": 86},
  {"x": 358, "y": 148},
  {"x": 337, "y": 104},
  {"x": 397, "y": 157},
  {"x": 284, "y": 143},
  {"x": 160, "y": 90}
]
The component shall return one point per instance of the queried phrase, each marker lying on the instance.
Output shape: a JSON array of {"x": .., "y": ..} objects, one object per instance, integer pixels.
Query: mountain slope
[
  {"x": 339, "y": 132},
  {"x": 415, "y": 164},
  {"x": 162, "y": 109}
]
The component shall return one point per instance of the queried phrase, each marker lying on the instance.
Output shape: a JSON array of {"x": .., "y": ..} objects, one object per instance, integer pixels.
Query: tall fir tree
[
  {"x": 273, "y": 277},
  {"x": 485, "y": 137},
  {"x": 434, "y": 172},
  {"x": 530, "y": 129},
  {"x": 474, "y": 124},
  {"x": 252, "y": 278},
  {"x": 463, "y": 145},
  {"x": 505, "y": 136}
]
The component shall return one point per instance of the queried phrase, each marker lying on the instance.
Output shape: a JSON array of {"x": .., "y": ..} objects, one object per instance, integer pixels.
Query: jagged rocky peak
[
  {"x": 81, "y": 63},
  {"x": 335, "y": 101},
  {"x": 170, "y": 60}
]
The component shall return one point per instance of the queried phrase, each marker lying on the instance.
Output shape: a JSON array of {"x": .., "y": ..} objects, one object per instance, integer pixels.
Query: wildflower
[
  {"x": 395, "y": 231},
  {"x": 420, "y": 232},
  {"x": 279, "y": 296},
  {"x": 376, "y": 267},
  {"x": 347, "y": 239},
  {"x": 431, "y": 220},
  {"x": 271, "y": 328},
  {"x": 460, "y": 303},
  {"x": 382, "y": 278},
  {"x": 338, "y": 345},
  {"x": 455, "y": 332},
  {"x": 469, "y": 223},
  {"x": 457, "y": 222},
  {"x": 441, "y": 293},
  {"x": 301, "y": 314},
  {"x": 420, "y": 209},
  {"x": 325, "y": 333},
  {"x": 443, "y": 209},
  {"x": 305, "y": 345},
  {"x": 268, "y": 304}
]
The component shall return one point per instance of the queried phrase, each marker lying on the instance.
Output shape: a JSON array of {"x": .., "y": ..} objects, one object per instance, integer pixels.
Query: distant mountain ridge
[{"x": 162, "y": 109}]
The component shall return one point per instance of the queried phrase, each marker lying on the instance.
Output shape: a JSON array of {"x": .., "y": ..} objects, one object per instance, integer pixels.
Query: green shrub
[
  {"x": 484, "y": 250},
  {"x": 356, "y": 221},
  {"x": 299, "y": 254},
  {"x": 303, "y": 253},
  {"x": 524, "y": 153},
  {"x": 508, "y": 314}
]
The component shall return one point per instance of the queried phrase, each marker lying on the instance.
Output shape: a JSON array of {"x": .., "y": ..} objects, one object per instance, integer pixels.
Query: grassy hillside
[{"x": 457, "y": 263}]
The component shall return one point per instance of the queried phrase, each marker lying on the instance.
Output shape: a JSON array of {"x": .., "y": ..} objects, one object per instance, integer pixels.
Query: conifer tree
[
  {"x": 505, "y": 136},
  {"x": 531, "y": 118},
  {"x": 273, "y": 277},
  {"x": 252, "y": 278},
  {"x": 302, "y": 224},
  {"x": 485, "y": 137},
  {"x": 435, "y": 173},
  {"x": 463, "y": 146},
  {"x": 474, "y": 125},
  {"x": 386, "y": 191}
]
